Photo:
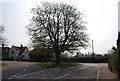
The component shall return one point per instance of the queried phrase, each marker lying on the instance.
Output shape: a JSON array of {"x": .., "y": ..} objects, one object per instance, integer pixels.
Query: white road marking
[
  {"x": 50, "y": 69},
  {"x": 75, "y": 70},
  {"x": 98, "y": 73},
  {"x": 20, "y": 76},
  {"x": 34, "y": 73},
  {"x": 82, "y": 68},
  {"x": 25, "y": 68},
  {"x": 43, "y": 71},
  {"x": 14, "y": 76},
  {"x": 70, "y": 73},
  {"x": 62, "y": 76}
]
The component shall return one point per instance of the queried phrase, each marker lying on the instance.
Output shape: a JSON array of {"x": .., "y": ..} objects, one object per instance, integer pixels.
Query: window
[
  {"x": 12, "y": 52},
  {"x": 12, "y": 57}
]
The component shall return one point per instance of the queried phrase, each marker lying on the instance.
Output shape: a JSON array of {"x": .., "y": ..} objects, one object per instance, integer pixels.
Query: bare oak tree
[{"x": 58, "y": 26}]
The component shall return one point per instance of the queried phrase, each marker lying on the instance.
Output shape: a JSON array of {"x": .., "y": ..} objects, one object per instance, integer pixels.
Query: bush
[
  {"x": 86, "y": 59},
  {"x": 114, "y": 59},
  {"x": 118, "y": 58},
  {"x": 53, "y": 65}
]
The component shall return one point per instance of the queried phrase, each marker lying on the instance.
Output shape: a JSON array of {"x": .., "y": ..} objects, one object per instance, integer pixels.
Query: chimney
[
  {"x": 12, "y": 45},
  {"x": 21, "y": 45},
  {"x": 2, "y": 45}
]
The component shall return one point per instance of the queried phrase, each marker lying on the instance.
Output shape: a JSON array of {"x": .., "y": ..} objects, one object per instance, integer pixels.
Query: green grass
[
  {"x": 61, "y": 65},
  {"x": 3, "y": 64}
]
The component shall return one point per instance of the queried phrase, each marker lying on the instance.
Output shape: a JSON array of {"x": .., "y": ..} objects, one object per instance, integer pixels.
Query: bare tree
[
  {"x": 3, "y": 40},
  {"x": 58, "y": 26}
]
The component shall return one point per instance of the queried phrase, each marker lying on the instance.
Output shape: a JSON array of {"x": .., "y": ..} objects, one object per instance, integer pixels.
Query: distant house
[
  {"x": 79, "y": 54},
  {"x": 19, "y": 53},
  {"x": 5, "y": 52}
]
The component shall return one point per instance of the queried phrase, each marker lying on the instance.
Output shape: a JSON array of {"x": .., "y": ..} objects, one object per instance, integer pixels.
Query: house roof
[
  {"x": 5, "y": 49},
  {"x": 17, "y": 48},
  {"x": 21, "y": 49}
]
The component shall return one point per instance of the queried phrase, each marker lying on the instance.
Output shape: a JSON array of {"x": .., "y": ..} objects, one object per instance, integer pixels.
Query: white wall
[{"x": 14, "y": 55}]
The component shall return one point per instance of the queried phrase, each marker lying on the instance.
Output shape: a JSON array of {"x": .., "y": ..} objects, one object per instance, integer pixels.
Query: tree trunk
[{"x": 57, "y": 58}]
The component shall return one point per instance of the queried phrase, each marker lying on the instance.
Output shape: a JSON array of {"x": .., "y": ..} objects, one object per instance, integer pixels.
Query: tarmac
[{"x": 104, "y": 73}]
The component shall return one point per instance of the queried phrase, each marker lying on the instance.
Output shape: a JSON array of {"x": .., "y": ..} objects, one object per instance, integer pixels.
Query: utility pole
[{"x": 92, "y": 47}]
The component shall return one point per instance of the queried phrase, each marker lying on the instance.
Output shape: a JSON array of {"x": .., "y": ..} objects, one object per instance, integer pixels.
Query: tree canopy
[
  {"x": 39, "y": 52},
  {"x": 118, "y": 40},
  {"x": 3, "y": 40},
  {"x": 58, "y": 26}
]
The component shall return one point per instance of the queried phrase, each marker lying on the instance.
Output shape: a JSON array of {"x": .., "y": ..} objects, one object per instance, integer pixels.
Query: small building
[
  {"x": 79, "y": 54},
  {"x": 19, "y": 53}
]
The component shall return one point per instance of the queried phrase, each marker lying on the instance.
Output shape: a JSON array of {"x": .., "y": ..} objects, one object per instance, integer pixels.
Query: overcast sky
[{"x": 101, "y": 16}]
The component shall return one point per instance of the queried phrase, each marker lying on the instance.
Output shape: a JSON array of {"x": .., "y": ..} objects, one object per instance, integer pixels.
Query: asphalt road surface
[{"x": 28, "y": 70}]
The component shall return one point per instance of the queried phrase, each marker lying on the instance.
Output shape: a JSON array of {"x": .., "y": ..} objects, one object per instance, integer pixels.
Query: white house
[{"x": 19, "y": 53}]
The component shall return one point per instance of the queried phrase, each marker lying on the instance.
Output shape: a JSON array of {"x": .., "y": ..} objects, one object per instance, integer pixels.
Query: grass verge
[
  {"x": 53, "y": 65},
  {"x": 3, "y": 64}
]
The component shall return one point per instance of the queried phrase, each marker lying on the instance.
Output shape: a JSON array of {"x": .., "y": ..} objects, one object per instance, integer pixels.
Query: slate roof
[
  {"x": 21, "y": 49},
  {"x": 5, "y": 50}
]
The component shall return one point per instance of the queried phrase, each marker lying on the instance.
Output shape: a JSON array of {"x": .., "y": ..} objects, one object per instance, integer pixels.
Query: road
[{"x": 28, "y": 70}]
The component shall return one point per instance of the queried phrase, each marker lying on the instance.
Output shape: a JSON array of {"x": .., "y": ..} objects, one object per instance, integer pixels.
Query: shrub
[{"x": 118, "y": 58}]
